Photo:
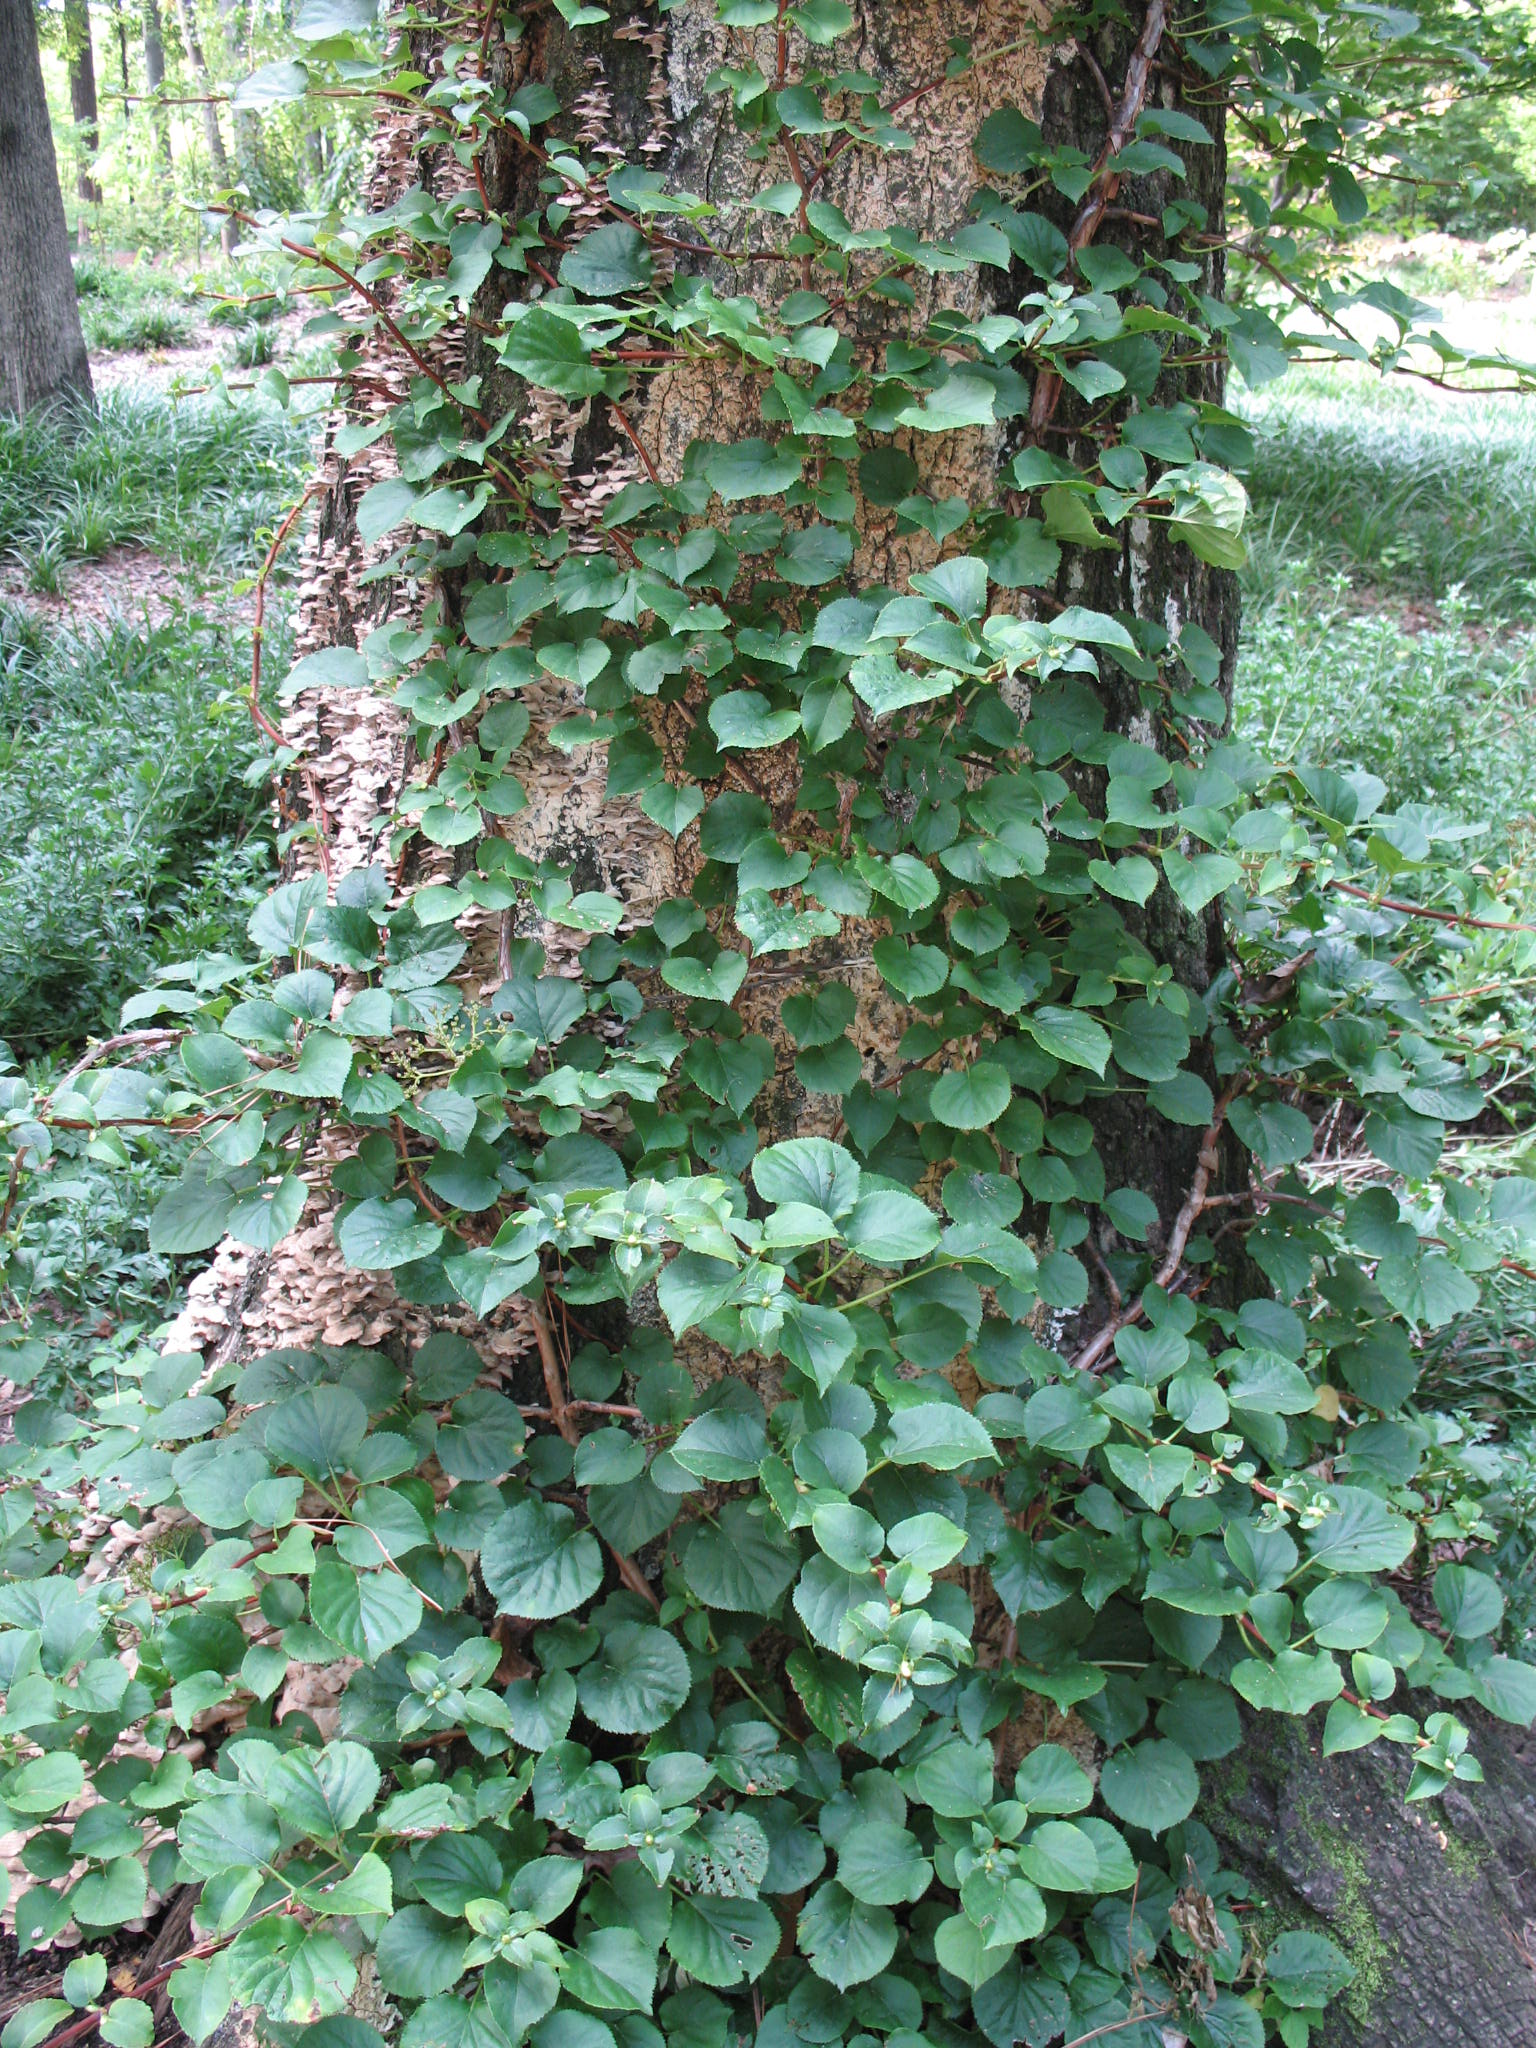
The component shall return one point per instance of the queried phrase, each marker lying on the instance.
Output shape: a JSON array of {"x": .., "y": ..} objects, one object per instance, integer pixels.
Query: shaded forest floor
[{"x": 134, "y": 824}]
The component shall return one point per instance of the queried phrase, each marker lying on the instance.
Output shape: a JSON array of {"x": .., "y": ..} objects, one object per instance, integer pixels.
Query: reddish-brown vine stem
[
  {"x": 392, "y": 328},
  {"x": 639, "y": 446},
  {"x": 560, "y": 1416},
  {"x": 1480, "y": 924},
  {"x": 78, "y": 2029}
]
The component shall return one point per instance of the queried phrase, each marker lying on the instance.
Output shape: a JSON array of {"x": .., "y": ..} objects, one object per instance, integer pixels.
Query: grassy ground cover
[
  {"x": 192, "y": 482},
  {"x": 1390, "y": 625},
  {"x": 133, "y": 830}
]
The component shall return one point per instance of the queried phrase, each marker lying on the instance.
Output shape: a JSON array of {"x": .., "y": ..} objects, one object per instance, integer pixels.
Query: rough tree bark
[
  {"x": 154, "y": 74},
  {"x": 646, "y": 96},
  {"x": 1435, "y": 1908},
  {"x": 648, "y": 99},
  {"x": 42, "y": 349},
  {"x": 80, "y": 61}
]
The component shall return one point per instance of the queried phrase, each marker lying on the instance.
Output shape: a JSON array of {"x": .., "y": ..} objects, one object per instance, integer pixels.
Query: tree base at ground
[{"x": 1434, "y": 1905}]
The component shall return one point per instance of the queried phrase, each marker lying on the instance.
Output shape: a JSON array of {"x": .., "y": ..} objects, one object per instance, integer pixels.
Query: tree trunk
[
  {"x": 641, "y": 90},
  {"x": 247, "y": 124},
  {"x": 81, "y": 64},
  {"x": 648, "y": 101},
  {"x": 154, "y": 75},
  {"x": 42, "y": 348},
  {"x": 120, "y": 29},
  {"x": 1436, "y": 1915},
  {"x": 218, "y": 156}
]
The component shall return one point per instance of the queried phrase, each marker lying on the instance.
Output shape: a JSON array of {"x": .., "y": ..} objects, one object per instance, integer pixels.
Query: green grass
[
  {"x": 195, "y": 480},
  {"x": 125, "y": 820},
  {"x": 131, "y": 306},
  {"x": 252, "y": 346},
  {"x": 1408, "y": 489},
  {"x": 1390, "y": 599},
  {"x": 1390, "y": 625},
  {"x": 130, "y": 841},
  {"x": 1390, "y": 622},
  {"x": 1439, "y": 707},
  {"x": 151, "y": 323},
  {"x": 131, "y": 832},
  {"x": 128, "y": 835}
]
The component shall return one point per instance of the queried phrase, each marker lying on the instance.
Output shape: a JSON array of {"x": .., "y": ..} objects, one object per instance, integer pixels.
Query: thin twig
[
  {"x": 1481, "y": 924},
  {"x": 554, "y": 1385},
  {"x": 1134, "y": 2019},
  {"x": 1096, "y": 1347},
  {"x": 259, "y": 717},
  {"x": 639, "y": 446},
  {"x": 560, "y": 1415},
  {"x": 147, "y": 1041}
]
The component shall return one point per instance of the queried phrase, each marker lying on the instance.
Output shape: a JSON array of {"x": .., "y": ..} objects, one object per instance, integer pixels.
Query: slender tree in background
[
  {"x": 42, "y": 349},
  {"x": 81, "y": 63},
  {"x": 120, "y": 32},
  {"x": 154, "y": 75},
  {"x": 234, "y": 25},
  {"x": 218, "y": 156}
]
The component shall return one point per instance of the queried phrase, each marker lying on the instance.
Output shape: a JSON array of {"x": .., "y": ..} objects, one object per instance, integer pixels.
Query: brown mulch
[{"x": 126, "y": 582}]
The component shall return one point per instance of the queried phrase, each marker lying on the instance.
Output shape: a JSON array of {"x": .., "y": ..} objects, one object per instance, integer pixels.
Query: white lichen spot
[{"x": 1141, "y": 560}]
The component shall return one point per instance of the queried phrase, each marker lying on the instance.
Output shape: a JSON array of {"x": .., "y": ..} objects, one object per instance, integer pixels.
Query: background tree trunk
[
  {"x": 154, "y": 74},
  {"x": 232, "y": 23},
  {"x": 42, "y": 349},
  {"x": 120, "y": 30},
  {"x": 218, "y": 156},
  {"x": 81, "y": 63}
]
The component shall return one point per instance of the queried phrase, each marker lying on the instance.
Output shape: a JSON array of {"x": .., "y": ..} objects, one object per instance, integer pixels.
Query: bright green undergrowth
[
  {"x": 132, "y": 829},
  {"x": 132, "y": 834},
  {"x": 1390, "y": 625},
  {"x": 1411, "y": 490},
  {"x": 139, "y": 306},
  {"x": 131, "y": 306},
  {"x": 192, "y": 480},
  {"x": 1441, "y": 710},
  {"x": 128, "y": 829},
  {"x": 1390, "y": 599}
]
